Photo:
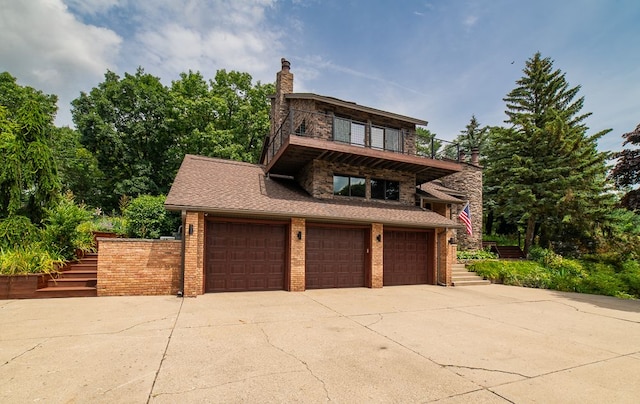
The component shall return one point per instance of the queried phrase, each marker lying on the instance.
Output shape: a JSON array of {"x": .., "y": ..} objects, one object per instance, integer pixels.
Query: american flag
[{"x": 465, "y": 216}]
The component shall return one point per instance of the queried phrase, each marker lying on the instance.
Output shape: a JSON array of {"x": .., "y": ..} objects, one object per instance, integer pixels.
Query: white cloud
[
  {"x": 44, "y": 46},
  {"x": 206, "y": 36}
]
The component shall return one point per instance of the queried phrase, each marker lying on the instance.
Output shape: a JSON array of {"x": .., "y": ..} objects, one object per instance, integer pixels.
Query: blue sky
[{"x": 441, "y": 61}]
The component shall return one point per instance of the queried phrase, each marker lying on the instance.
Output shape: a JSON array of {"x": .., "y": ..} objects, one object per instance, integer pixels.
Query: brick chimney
[
  {"x": 284, "y": 78},
  {"x": 284, "y": 85},
  {"x": 475, "y": 156}
]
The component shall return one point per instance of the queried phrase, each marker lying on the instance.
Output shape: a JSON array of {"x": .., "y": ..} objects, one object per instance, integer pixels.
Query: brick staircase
[
  {"x": 461, "y": 277},
  {"x": 76, "y": 279}
]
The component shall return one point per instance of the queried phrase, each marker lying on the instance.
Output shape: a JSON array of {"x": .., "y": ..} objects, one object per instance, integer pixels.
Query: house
[{"x": 342, "y": 197}]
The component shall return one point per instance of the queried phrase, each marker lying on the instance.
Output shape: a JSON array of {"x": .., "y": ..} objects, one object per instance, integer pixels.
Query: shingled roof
[{"x": 231, "y": 188}]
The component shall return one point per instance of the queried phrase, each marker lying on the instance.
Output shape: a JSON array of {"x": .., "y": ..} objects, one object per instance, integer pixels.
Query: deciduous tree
[{"x": 627, "y": 170}]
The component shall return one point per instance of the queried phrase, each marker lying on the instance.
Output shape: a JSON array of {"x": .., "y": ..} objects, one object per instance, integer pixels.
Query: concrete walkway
[{"x": 483, "y": 344}]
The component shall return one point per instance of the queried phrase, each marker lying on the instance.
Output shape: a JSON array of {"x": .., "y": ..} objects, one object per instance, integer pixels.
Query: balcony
[{"x": 305, "y": 136}]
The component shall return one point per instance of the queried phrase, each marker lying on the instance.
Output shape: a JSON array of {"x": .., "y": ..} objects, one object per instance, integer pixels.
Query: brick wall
[
  {"x": 194, "y": 254},
  {"x": 297, "y": 253},
  {"x": 377, "y": 259},
  {"x": 446, "y": 255},
  {"x": 132, "y": 267}
]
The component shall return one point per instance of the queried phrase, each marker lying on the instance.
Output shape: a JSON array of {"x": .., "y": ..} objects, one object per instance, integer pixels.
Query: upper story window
[
  {"x": 385, "y": 138},
  {"x": 349, "y": 186},
  {"x": 348, "y": 131},
  {"x": 384, "y": 189}
]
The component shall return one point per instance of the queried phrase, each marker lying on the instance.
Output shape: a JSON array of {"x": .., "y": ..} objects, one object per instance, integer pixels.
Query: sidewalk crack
[
  {"x": 324, "y": 386},
  {"x": 164, "y": 354},
  {"x": 25, "y": 352}
]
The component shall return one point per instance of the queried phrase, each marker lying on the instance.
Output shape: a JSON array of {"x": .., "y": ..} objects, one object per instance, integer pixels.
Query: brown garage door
[
  {"x": 244, "y": 256},
  {"x": 406, "y": 258},
  {"x": 335, "y": 257}
]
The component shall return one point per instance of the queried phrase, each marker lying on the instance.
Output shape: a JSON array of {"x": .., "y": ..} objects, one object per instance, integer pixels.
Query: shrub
[
  {"x": 115, "y": 224},
  {"x": 517, "y": 273},
  {"x": 64, "y": 230},
  {"x": 475, "y": 255},
  {"x": 146, "y": 217},
  {"x": 17, "y": 231},
  {"x": 31, "y": 259}
]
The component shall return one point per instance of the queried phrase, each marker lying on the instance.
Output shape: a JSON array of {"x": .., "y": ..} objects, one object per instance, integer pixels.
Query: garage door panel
[
  {"x": 406, "y": 258},
  {"x": 335, "y": 257},
  {"x": 245, "y": 256}
]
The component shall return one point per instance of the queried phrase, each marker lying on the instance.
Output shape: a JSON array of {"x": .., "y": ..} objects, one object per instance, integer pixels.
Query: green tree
[
  {"x": 123, "y": 122},
  {"x": 546, "y": 171},
  {"x": 243, "y": 111},
  {"x": 29, "y": 181},
  {"x": 626, "y": 173},
  {"x": 77, "y": 167},
  {"x": 426, "y": 143},
  {"x": 473, "y": 136}
]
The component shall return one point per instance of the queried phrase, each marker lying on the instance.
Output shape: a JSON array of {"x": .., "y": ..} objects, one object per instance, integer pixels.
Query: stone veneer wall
[
  {"x": 469, "y": 182},
  {"x": 317, "y": 179},
  {"x": 132, "y": 267}
]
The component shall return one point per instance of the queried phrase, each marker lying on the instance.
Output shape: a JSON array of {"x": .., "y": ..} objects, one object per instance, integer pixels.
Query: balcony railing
[{"x": 340, "y": 130}]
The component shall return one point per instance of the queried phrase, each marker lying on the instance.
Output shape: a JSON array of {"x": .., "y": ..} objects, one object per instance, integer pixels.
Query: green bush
[
  {"x": 17, "y": 231},
  {"x": 114, "y": 224},
  {"x": 475, "y": 255},
  {"x": 517, "y": 273},
  {"x": 68, "y": 228},
  {"x": 146, "y": 217},
  {"x": 31, "y": 259}
]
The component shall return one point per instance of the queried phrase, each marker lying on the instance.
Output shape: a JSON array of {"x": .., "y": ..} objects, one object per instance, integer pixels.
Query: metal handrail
[{"x": 319, "y": 125}]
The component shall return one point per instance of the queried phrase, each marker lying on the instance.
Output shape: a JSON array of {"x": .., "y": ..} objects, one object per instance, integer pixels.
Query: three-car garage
[{"x": 253, "y": 256}]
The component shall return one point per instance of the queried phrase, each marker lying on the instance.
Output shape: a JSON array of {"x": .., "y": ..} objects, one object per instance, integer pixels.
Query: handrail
[{"x": 319, "y": 125}]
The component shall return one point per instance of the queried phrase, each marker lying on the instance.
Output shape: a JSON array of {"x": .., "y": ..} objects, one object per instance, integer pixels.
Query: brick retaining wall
[{"x": 134, "y": 267}]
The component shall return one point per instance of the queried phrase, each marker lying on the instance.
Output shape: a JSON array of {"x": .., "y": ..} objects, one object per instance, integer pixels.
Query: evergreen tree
[
  {"x": 29, "y": 181},
  {"x": 545, "y": 170},
  {"x": 627, "y": 171}
]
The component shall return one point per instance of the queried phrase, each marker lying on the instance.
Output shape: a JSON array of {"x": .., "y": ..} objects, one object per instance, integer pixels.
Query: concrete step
[
  {"x": 460, "y": 276},
  {"x": 480, "y": 281}
]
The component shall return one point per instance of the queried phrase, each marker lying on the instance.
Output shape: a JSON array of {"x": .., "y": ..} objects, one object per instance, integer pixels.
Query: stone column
[{"x": 469, "y": 182}]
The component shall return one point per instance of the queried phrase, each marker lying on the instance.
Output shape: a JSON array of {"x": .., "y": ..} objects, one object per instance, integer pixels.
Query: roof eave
[
  {"x": 288, "y": 215},
  {"x": 353, "y": 105}
]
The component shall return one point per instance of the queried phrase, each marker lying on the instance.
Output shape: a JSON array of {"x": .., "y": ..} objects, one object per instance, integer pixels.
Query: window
[
  {"x": 302, "y": 129},
  {"x": 357, "y": 134},
  {"x": 377, "y": 137},
  {"x": 392, "y": 139},
  {"x": 383, "y": 189},
  {"x": 341, "y": 130},
  {"x": 349, "y": 186},
  {"x": 347, "y": 131}
]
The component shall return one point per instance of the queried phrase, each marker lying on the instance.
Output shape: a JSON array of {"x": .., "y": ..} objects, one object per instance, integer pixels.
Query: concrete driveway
[{"x": 487, "y": 344}]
